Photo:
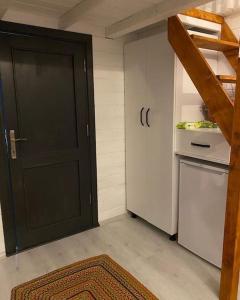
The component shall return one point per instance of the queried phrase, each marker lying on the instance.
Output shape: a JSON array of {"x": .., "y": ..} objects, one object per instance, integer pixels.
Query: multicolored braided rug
[{"x": 98, "y": 278}]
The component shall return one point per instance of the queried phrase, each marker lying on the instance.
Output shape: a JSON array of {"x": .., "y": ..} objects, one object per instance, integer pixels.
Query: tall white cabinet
[{"x": 149, "y": 111}]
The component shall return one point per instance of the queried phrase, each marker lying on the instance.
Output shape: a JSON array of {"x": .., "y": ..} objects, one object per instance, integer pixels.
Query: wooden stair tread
[
  {"x": 203, "y": 15},
  {"x": 227, "y": 78},
  {"x": 213, "y": 44}
]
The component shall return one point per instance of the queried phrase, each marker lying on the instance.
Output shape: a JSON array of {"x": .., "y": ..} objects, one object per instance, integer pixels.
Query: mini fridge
[{"x": 202, "y": 204}]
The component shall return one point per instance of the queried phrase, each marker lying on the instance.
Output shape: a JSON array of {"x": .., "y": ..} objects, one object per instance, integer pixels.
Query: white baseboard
[{"x": 109, "y": 214}]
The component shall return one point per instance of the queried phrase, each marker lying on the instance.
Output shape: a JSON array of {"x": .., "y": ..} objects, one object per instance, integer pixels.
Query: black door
[{"x": 46, "y": 115}]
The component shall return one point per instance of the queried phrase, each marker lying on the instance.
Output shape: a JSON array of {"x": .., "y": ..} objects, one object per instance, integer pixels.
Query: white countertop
[{"x": 209, "y": 130}]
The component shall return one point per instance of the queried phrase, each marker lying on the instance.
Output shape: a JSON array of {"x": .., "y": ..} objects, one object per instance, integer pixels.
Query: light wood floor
[{"x": 168, "y": 270}]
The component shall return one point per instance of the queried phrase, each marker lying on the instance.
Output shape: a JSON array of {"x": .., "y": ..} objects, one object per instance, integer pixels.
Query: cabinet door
[
  {"x": 161, "y": 211},
  {"x": 135, "y": 101}
]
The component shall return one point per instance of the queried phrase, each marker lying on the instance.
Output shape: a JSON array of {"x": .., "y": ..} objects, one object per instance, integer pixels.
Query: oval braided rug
[{"x": 98, "y": 278}]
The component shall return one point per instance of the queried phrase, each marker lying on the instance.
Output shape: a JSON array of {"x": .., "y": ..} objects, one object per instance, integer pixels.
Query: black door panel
[{"x": 46, "y": 103}]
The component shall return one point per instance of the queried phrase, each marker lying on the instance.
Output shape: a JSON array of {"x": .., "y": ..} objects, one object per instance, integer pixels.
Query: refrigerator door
[{"x": 202, "y": 204}]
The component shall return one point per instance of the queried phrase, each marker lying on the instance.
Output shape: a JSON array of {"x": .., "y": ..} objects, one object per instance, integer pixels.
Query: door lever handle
[
  {"x": 13, "y": 141},
  {"x": 21, "y": 140}
]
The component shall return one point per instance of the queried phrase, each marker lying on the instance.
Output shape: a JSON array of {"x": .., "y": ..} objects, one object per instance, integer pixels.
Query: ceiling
[
  {"x": 104, "y": 11},
  {"x": 111, "y": 18},
  {"x": 54, "y": 8}
]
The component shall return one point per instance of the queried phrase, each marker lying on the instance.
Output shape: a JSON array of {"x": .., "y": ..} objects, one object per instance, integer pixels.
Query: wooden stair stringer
[
  {"x": 231, "y": 248},
  {"x": 204, "y": 79},
  {"x": 232, "y": 55}
]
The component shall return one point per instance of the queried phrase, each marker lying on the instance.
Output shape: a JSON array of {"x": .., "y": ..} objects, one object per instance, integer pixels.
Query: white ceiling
[
  {"x": 53, "y": 8},
  {"x": 113, "y": 17},
  {"x": 105, "y": 11}
]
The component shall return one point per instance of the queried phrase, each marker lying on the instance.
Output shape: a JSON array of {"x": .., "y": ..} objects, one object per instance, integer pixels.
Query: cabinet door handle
[
  {"x": 147, "y": 117},
  {"x": 141, "y": 116},
  {"x": 200, "y": 145}
]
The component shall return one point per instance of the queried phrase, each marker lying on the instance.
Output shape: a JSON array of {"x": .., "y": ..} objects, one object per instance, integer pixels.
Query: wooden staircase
[
  {"x": 203, "y": 77},
  {"x": 226, "y": 113}
]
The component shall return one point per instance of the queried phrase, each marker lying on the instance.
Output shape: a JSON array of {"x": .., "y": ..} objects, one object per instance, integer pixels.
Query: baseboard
[{"x": 109, "y": 214}]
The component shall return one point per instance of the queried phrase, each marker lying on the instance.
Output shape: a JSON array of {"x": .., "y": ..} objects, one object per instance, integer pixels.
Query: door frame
[{"x": 6, "y": 199}]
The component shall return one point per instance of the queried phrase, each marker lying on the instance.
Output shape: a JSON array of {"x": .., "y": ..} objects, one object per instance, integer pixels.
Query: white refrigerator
[{"x": 202, "y": 204}]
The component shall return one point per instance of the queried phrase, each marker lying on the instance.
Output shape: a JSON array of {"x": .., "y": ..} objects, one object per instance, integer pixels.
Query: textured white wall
[
  {"x": 224, "y": 66},
  {"x": 222, "y": 7},
  {"x": 109, "y": 101},
  {"x": 234, "y": 23}
]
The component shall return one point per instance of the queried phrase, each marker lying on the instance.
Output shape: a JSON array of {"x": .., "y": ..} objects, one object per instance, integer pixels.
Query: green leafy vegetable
[{"x": 196, "y": 125}]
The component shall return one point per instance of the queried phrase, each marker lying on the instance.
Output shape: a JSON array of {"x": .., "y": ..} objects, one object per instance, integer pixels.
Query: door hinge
[
  {"x": 85, "y": 66},
  {"x": 87, "y": 128},
  {"x": 90, "y": 199}
]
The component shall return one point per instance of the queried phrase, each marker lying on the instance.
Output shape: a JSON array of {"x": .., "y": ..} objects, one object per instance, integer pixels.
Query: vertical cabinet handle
[
  {"x": 141, "y": 116},
  {"x": 147, "y": 117}
]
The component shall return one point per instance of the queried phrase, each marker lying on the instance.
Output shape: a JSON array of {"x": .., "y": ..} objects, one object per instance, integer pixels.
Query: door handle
[
  {"x": 141, "y": 116},
  {"x": 13, "y": 141},
  {"x": 147, "y": 117},
  {"x": 21, "y": 140}
]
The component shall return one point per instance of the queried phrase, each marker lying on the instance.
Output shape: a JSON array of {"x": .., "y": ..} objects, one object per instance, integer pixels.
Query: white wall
[
  {"x": 224, "y": 66},
  {"x": 234, "y": 22},
  {"x": 109, "y": 101}
]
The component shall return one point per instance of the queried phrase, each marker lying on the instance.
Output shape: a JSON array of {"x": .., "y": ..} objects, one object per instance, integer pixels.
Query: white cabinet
[
  {"x": 206, "y": 144},
  {"x": 149, "y": 111}
]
